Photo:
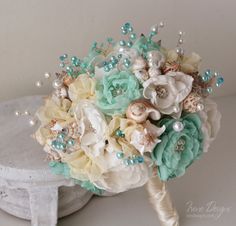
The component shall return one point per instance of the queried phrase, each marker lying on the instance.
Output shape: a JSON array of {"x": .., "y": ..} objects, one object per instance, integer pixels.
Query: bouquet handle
[{"x": 161, "y": 202}]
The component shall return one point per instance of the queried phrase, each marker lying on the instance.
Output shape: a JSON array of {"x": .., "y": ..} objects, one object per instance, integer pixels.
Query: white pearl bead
[
  {"x": 176, "y": 109},
  {"x": 178, "y": 126},
  {"x": 32, "y": 122},
  {"x": 154, "y": 28},
  {"x": 26, "y": 112},
  {"x": 181, "y": 33},
  {"x": 47, "y": 75},
  {"x": 57, "y": 84},
  {"x": 200, "y": 107},
  {"x": 17, "y": 113},
  {"x": 181, "y": 41},
  {"x": 162, "y": 24},
  {"x": 39, "y": 84}
]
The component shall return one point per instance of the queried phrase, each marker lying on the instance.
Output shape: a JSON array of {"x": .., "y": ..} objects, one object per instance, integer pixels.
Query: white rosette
[
  {"x": 211, "y": 118},
  {"x": 166, "y": 92}
]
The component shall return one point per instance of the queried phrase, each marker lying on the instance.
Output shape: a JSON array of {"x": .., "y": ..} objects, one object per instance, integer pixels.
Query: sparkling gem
[
  {"x": 140, "y": 159},
  {"x": 62, "y": 64}
]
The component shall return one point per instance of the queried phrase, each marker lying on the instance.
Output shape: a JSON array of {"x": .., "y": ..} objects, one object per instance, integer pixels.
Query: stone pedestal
[{"x": 27, "y": 187}]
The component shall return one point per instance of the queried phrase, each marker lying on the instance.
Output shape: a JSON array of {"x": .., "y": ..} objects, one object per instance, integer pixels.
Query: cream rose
[
  {"x": 82, "y": 88},
  {"x": 167, "y": 91}
]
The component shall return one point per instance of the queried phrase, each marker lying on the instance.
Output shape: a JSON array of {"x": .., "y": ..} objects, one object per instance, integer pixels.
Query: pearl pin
[
  {"x": 178, "y": 126},
  {"x": 32, "y": 122},
  {"x": 39, "y": 84},
  {"x": 17, "y": 113},
  {"x": 57, "y": 84},
  {"x": 47, "y": 75}
]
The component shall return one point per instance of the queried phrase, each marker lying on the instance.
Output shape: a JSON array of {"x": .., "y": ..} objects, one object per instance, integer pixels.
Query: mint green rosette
[
  {"x": 115, "y": 92},
  {"x": 178, "y": 150},
  {"x": 144, "y": 45}
]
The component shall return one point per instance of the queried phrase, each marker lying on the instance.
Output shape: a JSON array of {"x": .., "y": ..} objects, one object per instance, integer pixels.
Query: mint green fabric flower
[
  {"x": 178, "y": 150},
  {"x": 60, "y": 168},
  {"x": 115, "y": 92},
  {"x": 144, "y": 45}
]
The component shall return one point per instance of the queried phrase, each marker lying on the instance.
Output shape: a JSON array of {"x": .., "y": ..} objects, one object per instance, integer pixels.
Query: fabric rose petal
[
  {"x": 116, "y": 91},
  {"x": 178, "y": 149},
  {"x": 166, "y": 92},
  {"x": 92, "y": 126},
  {"x": 210, "y": 117},
  {"x": 82, "y": 88}
]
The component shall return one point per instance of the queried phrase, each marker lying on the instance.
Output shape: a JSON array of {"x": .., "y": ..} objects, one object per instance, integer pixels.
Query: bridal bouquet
[{"x": 130, "y": 112}]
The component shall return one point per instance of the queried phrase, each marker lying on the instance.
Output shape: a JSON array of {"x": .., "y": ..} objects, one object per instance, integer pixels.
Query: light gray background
[{"x": 33, "y": 33}]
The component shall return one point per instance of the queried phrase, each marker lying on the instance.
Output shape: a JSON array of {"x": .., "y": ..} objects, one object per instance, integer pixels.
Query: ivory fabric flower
[
  {"x": 49, "y": 114},
  {"x": 82, "y": 166},
  {"x": 167, "y": 91},
  {"x": 92, "y": 127},
  {"x": 115, "y": 92},
  {"x": 178, "y": 149},
  {"x": 82, "y": 88},
  {"x": 211, "y": 118},
  {"x": 123, "y": 178},
  {"x": 188, "y": 64}
]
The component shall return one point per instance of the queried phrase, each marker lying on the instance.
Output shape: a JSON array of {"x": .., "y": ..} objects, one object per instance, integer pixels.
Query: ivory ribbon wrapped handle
[{"x": 161, "y": 201}]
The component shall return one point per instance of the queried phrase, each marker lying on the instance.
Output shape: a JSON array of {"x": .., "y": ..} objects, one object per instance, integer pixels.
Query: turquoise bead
[
  {"x": 70, "y": 142},
  {"x": 62, "y": 64},
  {"x": 133, "y": 36},
  {"x": 219, "y": 81},
  {"x": 120, "y": 155},
  {"x": 119, "y": 133},
  {"x": 129, "y": 44},
  {"x": 61, "y": 136},
  {"x": 127, "y": 25},
  {"x": 106, "y": 68},
  {"x": 140, "y": 159},
  {"x": 130, "y": 29},
  {"x": 209, "y": 89},
  {"x": 122, "y": 43}
]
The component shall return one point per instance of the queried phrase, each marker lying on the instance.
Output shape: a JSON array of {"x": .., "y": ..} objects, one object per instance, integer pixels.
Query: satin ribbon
[{"x": 161, "y": 201}]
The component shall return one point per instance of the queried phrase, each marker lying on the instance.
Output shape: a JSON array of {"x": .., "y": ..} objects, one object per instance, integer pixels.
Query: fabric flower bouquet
[{"x": 129, "y": 113}]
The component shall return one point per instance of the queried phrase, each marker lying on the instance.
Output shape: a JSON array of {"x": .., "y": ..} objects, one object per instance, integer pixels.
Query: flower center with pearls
[
  {"x": 161, "y": 92},
  {"x": 180, "y": 145}
]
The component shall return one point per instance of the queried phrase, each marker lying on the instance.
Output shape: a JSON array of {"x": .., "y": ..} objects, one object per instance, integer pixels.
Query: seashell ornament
[
  {"x": 140, "y": 110},
  {"x": 155, "y": 61},
  {"x": 139, "y": 69},
  {"x": 192, "y": 103}
]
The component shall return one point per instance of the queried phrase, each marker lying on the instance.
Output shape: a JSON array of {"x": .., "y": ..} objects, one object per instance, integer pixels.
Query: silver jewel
[{"x": 161, "y": 92}]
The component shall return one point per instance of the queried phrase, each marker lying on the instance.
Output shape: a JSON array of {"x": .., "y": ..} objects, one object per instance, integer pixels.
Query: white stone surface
[
  {"x": 27, "y": 187},
  {"x": 212, "y": 178}
]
